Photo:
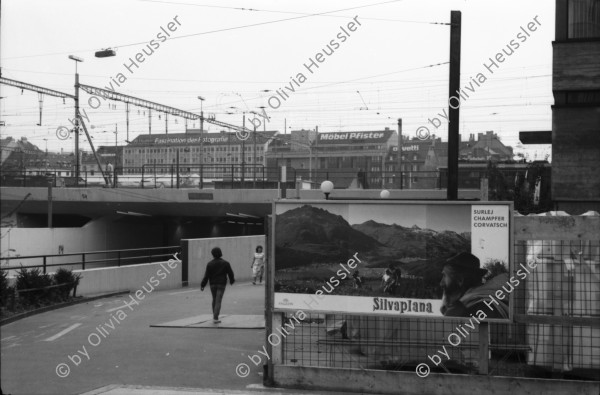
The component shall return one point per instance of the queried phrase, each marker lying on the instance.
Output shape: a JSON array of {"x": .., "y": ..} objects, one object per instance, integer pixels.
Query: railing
[
  {"x": 194, "y": 176},
  {"x": 352, "y": 179},
  {"x": 107, "y": 258}
]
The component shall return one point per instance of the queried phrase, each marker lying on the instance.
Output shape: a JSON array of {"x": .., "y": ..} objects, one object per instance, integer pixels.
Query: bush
[
  {"x": 5, "y": 290},
  {"x": 70, "y": 281},
  {"x": 32, "y": 279}
]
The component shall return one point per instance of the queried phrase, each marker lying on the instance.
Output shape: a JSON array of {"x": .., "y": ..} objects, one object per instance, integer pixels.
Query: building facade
[
  {"x": 188, "y": 152},
  {"x": 576, "y": 109},
  {"x": 421, "y": 160},
  {"x": 337, "y": 156}
]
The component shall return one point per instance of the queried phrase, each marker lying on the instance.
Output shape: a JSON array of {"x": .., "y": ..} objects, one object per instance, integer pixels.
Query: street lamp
[
  {"x": 105, "y": 53},
  {"x": 326, "y": 188}
]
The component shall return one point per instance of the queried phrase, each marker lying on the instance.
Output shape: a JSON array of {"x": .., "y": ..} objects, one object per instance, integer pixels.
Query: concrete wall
[
  {"x": 161, "y": 195},
  {"x": 238, "y": 251},
  {"x": 126, "y": 278},
  {"x": 97, "y": 235},
  {"x": 130, "y": 278},
  {"x": 391, "y": 382}
]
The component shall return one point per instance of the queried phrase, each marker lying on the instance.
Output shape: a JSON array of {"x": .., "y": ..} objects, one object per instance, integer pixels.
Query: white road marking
[
  {"x": 116, "y": 308},
  {"x": 184, "y": 292},
  {"x": 61, "y": 333},
  {"x": 7, "y": 338}
]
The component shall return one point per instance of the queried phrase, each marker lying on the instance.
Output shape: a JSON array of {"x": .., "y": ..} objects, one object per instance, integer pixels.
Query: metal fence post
[
  {"x": 44, "y": 264},
  {"x": 484, "y": 356},
  {"x": 83, "y": 261}
]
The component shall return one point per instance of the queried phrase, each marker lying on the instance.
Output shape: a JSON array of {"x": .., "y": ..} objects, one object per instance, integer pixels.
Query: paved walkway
[{"x": 90, "y": 346}]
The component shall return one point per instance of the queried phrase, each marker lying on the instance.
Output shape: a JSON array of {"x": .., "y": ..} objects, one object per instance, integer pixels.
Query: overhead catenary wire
[
  {"x": 292, "y": 12},
  {"x": 216, "y": 30}
]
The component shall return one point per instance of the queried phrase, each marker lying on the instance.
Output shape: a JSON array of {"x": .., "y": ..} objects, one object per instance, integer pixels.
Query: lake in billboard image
[{"x": 432, "y": 259}]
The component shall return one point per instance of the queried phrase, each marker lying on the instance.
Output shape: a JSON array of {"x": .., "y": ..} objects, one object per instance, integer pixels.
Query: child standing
[{"x": 258, "y": 265}]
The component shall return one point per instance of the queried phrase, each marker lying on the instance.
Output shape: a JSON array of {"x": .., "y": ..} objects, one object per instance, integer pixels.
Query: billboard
[{"x": 428, "y": 259}]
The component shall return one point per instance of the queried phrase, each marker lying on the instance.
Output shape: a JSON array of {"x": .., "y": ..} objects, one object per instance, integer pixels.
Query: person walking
[
  {"x": 258, "y": 264},
  {"x": 216, "y": 274}
]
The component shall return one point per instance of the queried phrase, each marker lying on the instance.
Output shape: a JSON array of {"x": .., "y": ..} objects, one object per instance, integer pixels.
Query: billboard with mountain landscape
[{"x": 386, "y": 257}]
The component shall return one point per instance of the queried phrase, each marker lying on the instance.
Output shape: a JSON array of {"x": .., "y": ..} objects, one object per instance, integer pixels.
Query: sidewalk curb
[
  {"x": 18, "y": 317},
  {"x": 256, "y": 389}
]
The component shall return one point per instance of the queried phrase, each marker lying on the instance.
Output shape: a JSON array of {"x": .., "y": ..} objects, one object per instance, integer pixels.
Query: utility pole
[
  {"x": 77, "y": 117},
  {"x": 254, "y": 156},
  {"x": 399, "y": 153},
  {"x": 76, "y": 123},
  {"x": 201, "y": 142},
  {"x": 453, "y": 105},
  {"x": 316, "y": 151},
  {"x": 177, "y": 167},
  {"x": 243, "y": 150},
  {"x": 50, "y": 181},
  {"x": 127, "y": 111},
  {"x": 116, "y": 159}
]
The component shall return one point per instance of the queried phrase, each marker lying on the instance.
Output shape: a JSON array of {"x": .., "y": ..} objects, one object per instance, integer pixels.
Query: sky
[{"x": 237, "y": 54}]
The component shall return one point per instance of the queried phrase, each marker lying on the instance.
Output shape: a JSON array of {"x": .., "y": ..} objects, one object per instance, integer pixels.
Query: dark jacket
[{"x": 217, "y": 271}]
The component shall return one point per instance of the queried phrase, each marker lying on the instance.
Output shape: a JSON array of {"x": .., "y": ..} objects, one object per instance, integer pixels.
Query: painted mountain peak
[
  {"x": 308, "y": 234},
  {"x": 416, "y": 242}
]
